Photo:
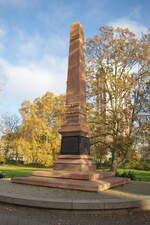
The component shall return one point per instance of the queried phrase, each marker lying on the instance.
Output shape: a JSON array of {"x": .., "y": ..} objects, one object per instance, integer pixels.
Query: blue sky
[{"x": 34, "y": 41}]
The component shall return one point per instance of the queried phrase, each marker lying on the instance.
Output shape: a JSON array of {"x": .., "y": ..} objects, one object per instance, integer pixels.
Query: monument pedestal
[
  {"x": 77, "y": 172},
  {"x": 75, "y": 163}
]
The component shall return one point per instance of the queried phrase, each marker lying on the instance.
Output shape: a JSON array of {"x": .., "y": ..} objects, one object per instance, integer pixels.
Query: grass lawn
[
  {"x": 141, "y": 175},
  {"x": 18, "y": 171}
]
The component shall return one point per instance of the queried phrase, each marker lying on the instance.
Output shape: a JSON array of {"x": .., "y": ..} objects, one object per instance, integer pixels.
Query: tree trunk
[{"x": 113, "y": 162}]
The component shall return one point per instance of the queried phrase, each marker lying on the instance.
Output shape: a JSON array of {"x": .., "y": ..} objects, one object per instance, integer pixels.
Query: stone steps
[
  {"x": 107, "y": 183},
  {"x": 73, "y": 175},
  {"x": 85, "y": 185}
]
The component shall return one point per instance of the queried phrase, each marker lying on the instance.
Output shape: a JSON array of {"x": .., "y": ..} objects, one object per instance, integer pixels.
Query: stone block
[
  {"x": 68, "y": 156},
  {"x": 84, "y": 185}
]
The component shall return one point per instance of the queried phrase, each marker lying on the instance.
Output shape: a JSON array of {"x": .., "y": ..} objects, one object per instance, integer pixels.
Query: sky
[{"x": 34, "y": 36}]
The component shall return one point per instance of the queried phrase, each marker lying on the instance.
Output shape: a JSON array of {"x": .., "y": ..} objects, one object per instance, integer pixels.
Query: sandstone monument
[{"x": 75, "y": 168}]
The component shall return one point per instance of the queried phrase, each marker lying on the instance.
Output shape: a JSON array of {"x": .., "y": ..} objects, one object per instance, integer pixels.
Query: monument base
[{"x": 76, "y": 172}]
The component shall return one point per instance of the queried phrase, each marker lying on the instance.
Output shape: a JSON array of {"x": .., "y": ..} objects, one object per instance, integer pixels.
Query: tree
[
  {"x": 117, "y": 67},
  {"x": 10, "y": 125},
  {"x": 39, "y": 139},
  {"x": 36, "y": 140},
  {"x": 146, "y": 121},
  {"x": 143, "y": 101}
]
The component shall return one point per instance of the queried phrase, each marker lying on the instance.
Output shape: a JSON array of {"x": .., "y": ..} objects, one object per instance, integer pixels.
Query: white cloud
[
  {"x": 40, "y": 66},
  {"x": 36, "y": 46},
  {"x": 131, "y": 24},
  {"x": 30, "y": 45},
  {"x": 26, "y": 82},
  {"x": 2, "y": 32}
]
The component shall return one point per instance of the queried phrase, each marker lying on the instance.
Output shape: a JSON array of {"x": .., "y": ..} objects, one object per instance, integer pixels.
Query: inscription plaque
[{"x": 75, "y": 145}]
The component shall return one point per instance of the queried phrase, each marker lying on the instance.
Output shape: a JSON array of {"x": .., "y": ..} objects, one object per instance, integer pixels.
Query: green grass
[
  {"x": 22, "y": 171},
  {"x": 141, "y": 175},
  {"x": 18, "y": 171}
]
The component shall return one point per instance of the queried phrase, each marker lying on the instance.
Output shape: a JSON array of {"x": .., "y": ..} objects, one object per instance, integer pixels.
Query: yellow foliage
[{"x": 38, "y": 140}]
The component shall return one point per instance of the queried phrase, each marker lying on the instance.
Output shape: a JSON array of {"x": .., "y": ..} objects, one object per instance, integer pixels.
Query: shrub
[
  {"x": 128, "y": 174},
  {"x": 139, "y": 165},
  {"x": 103, "y": 165},
  {"x": 2, "y": 175}
]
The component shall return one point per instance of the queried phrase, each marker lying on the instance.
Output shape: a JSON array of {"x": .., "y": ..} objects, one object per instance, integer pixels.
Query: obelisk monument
[
  {"x": 75, "y": 131},
  {"x": 74, "y": 168}
]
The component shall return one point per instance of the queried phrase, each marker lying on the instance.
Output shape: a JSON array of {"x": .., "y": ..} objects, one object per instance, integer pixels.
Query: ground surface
[
  {"x": 135, "y": 189},
  {"x": 11, "y": 214},
  {"x": 134, "y": 194},
  {"x": 14, "y": 215}
]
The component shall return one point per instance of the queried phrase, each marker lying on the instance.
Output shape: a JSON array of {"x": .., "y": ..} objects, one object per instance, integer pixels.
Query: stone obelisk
[
  {"x": 75, "y": 131},
  {"x": 74, "y": 168}
]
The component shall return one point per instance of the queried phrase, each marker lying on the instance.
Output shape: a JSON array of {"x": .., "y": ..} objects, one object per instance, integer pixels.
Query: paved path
[
  {"x": 117, "y": 206},
  {"x": 135, "y": 189},
  {"x": 132, "y": 195},
  {"x": 16, "y": 215}
]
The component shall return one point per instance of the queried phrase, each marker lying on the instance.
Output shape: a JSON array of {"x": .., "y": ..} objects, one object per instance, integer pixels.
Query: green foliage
[
  {"x": 2, "y": 175},
  {"x": 140, "y": 175},
  {"x": 2, "y": 160},
  {"x": 127, "y": 174},
  {"x": 139, "y": 165},
  {"x": 102, "y": 164}
]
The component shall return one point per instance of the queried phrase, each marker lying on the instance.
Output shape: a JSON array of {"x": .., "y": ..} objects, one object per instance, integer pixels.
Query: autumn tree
[
  {"x": 10, "y": 125},
  {"x": 2, "y": 84},
  {"x": 39, "y": 140},
  {"x": 144, "y": 121},
  {"x": 141, "y": 96},
  {"x": 117, "y": 67}
]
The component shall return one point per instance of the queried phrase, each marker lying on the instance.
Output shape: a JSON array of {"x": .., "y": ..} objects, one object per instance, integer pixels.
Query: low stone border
[{"x": 115, "y": 199}]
